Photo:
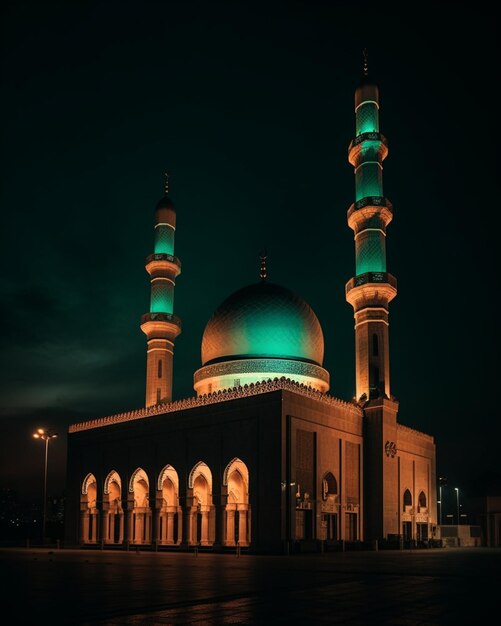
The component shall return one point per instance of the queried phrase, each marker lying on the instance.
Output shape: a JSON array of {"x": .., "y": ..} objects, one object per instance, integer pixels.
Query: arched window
[
  {"x": 375, "y": 345},
  {"x": 160, "y": 368},
  {"x": 422, "y": 500},
  {"x": 407, "y": 498},
  {"x": 329, "y": 485}
]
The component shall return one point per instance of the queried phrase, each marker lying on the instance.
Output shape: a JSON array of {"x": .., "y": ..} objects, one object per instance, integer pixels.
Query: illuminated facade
[{"x": 262, "y": 458}]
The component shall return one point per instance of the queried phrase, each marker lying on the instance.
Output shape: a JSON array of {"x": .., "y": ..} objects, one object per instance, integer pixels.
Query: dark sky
[{"x": 250, "y": 108}]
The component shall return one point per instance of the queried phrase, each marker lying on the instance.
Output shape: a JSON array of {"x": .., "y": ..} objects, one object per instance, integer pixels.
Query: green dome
[{"x": 263, "y": 321}]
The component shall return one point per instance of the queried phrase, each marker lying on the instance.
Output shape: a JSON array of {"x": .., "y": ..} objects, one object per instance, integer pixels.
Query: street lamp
[
  {"x": 457, "y": 500},
  {"x": 45, "y": 435},
  {"x": 441, "y": 481}
]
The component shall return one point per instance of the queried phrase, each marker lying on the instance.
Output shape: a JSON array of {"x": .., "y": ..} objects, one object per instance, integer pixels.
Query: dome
[{"x": 263, "y": 321}]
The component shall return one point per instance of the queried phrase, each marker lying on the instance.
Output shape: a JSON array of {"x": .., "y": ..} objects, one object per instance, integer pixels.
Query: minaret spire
[
  {"x": 366, "y": 62},
  {"x": 372, "y": 287},
  {"x": 160, "y": 325},
  {"x": 263, "y": 272}
]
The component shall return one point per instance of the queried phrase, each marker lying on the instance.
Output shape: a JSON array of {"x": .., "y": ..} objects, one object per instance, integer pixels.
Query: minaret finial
[
  {"x": 366, "y": 62},
  {"x": 166, "y": 183},
  {"x": 263, "y": 272}
]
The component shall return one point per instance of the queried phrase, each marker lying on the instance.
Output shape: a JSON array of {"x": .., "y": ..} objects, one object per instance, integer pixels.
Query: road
[{"x": 447, "y": 586}]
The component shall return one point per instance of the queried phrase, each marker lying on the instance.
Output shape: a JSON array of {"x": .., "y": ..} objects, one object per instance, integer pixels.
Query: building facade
[{"x": 263, "y": 457}]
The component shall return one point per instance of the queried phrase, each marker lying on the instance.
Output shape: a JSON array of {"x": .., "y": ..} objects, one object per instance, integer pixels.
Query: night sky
[{"x": 250, "y": 109}]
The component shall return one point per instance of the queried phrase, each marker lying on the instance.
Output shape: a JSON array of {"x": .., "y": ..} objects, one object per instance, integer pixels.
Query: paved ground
[{"x": 448, "y": 586}]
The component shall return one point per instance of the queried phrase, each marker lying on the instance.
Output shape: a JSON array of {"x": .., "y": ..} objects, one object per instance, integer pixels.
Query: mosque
[{"x": 262, "y": 458}]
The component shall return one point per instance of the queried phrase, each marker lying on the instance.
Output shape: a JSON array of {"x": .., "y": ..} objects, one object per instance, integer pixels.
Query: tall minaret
[
  {"x": 372, "y": 288},
  {"x": 160, "y": 325}
]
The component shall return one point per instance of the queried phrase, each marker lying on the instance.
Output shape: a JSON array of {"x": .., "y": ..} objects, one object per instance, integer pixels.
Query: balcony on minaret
[
  {"x": 371, "y": 277},
  {"x": 161, "y": 317},
  {"x": 161, "y": 326},
  {"x": 371, "y": 289},
  {"x": 163, "y": 262},
  {"x": 367, "y": 146},
  {"x": 368, "y": 208},
  {"x": 372, "y": 201}
]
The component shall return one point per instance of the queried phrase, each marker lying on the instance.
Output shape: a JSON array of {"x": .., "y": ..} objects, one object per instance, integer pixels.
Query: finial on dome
[
  {"x": 166, "y": 183},
  {"x": 366, "y": 61},
  {"x": 263, "y": 272}
]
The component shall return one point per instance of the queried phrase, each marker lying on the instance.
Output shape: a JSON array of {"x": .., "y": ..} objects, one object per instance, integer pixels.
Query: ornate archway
[
  {"x": 201, "y": 515},
  {"x": 329, "y": 528},
  {"x": 112, "y": 515},
  {"x": 138, "y": 508},
  {"x": 236, "y": 529},
  {"x": 89, "y": 514},
  {"x": 168, "y": 512}
]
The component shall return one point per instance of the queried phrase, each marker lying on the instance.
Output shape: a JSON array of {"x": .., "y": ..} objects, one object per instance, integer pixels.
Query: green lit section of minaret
[
  {"x": 367, "y": 117},
  {"x": 366, "y": 153},
  {"x": 164, "y": 238},
  {"x": 162, "y": 296},
  {"x": 163, "y": 283}
]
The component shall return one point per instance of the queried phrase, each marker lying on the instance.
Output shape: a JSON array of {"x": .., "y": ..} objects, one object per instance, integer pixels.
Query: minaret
[
  {"x": 160, "y": 325},
  {"x": 372, "y": 287}
]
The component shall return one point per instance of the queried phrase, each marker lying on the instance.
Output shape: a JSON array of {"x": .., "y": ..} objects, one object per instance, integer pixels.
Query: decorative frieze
[{"x": 253, "y": 389}]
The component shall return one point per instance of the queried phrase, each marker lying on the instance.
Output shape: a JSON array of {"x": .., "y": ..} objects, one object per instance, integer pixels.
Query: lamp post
[
  {"x": 46, "y": 436},
  {"x": 441, "y": 482},
  {"x": 457, "y": 501}
]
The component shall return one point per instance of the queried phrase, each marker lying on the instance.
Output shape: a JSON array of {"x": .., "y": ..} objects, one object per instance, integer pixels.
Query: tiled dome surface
[{"x": 263, "y": 320}]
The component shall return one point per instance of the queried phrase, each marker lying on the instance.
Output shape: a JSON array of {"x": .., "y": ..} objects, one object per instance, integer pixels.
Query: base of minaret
[
  {"x": 161, "y": 329},
  {"x": 370, "y": 294},
  {"x": 381, "y": 467}
]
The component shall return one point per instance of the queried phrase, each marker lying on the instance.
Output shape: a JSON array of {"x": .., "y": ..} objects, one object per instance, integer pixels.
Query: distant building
[
  {"x": 464, "y": 536},
  {"x": 262, "y": 457},
  {"x": 486, "y": 512}
]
